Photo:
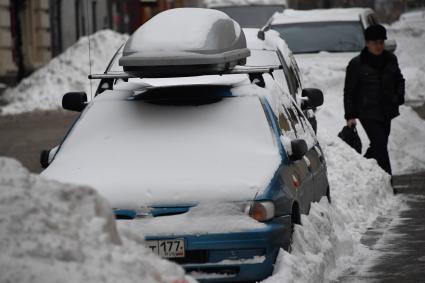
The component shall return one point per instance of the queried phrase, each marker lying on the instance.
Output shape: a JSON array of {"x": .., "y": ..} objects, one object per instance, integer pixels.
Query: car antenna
[{"x": 88, "y": 32}]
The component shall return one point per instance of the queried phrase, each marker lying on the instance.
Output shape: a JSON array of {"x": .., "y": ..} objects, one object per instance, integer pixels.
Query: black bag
[{"x": 350, "y": 136}]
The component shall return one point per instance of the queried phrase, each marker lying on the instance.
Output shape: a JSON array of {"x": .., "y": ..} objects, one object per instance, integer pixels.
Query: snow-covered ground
[
  {"x": 68, "y": 232},
  {"x": 328, "y": 242},
  {"x": 52, "y": 232}
]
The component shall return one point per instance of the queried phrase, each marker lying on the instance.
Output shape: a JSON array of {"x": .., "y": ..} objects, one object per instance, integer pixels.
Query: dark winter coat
[{"x": 374, "y": 87}]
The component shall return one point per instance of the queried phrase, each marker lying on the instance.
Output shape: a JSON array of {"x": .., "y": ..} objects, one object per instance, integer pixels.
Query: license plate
[{"x": 167, "y": 248}]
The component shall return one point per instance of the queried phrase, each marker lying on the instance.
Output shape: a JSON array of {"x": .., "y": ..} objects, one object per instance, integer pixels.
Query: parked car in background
[
  {"x": 329, "y": 30},
  {"x": 249, "y": 13},
  {"x": 215, "y": 169}
]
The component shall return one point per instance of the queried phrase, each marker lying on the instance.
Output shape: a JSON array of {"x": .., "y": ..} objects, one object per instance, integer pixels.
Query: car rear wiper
[{"x": 307, "y": 51}]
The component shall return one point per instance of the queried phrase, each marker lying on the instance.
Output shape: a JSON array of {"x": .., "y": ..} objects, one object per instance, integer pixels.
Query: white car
[{"x": 330, "y": 30}]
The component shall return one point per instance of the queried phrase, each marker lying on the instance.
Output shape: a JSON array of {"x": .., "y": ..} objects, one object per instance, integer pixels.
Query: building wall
[
  {"x": 35, "y": 30},
  {"x": 7, "y": 64},
  {"x": 82, "y": 17}
]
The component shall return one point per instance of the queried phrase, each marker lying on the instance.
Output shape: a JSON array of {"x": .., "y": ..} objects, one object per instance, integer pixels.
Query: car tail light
[{"x": 262, "y": 210}]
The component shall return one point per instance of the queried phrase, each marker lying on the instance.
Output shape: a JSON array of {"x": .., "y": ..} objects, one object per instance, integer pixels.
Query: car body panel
[{"x": 251, "y": 254}]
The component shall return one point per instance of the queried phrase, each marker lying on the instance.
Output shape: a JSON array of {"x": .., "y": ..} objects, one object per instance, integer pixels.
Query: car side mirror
[
  {"x": 46, "y": 156},
  {"x": 74, "y": 101},
  {"x": 390, "y": 45},
  {"x": 312, "y": 98},
  {"x": 262, "y": 32},
  {"x": 299, "y": 149}
]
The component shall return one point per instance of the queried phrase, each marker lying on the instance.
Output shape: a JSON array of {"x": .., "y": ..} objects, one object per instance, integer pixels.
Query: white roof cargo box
[{"x": 185, "y": 42}]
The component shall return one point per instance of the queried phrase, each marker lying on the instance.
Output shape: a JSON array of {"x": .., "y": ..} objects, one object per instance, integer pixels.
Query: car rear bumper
[{"x": 240, "y": 256}]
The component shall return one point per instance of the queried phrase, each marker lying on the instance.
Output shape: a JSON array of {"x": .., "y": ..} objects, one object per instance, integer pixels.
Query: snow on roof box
[{"x": 185, "y": 42}]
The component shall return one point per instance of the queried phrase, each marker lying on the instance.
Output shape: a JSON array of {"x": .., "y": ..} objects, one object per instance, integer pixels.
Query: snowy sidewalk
[{"x": 400, "y": 243}]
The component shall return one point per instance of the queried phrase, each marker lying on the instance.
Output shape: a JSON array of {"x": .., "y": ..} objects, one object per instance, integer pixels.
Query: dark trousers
[{"x": 378, "y": 133}]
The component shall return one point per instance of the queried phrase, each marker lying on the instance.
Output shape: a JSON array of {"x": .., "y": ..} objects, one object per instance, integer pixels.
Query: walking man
[{"x": 373, "y": 91}]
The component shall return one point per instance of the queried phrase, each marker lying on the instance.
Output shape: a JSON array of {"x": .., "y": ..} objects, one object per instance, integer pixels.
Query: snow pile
[
  {"x": 410, "y": 44},
  {"x": 44, "y": 89},
  {"x": 52, "y": 232},
  {"x": 328, "y": 242},
  {"x": 327, "y": 72},
  {"x": 413, "y": 21},
  {"x": 222, "y": 3}
]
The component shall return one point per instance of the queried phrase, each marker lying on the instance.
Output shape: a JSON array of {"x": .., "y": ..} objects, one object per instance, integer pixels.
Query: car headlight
[{"x": 261, "y": 210}]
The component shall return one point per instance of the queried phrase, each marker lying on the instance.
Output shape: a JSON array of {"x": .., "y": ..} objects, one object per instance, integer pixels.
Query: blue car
[{"x": 214, "y": 170}]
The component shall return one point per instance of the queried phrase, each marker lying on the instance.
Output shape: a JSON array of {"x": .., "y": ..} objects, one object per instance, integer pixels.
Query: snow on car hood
[{"x": 135, "y": 153}]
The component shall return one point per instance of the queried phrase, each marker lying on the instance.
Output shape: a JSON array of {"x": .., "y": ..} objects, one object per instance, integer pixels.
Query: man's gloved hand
[{"x": 351, "y": 122}]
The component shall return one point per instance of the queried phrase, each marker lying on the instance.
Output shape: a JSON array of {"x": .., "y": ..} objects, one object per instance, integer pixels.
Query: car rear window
[
  {"x": 340, "y": 36},
  {"x": 255, "y": 16}
]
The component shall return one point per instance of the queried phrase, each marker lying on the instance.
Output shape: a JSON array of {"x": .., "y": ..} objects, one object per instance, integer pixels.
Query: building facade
[
  {"x": 8, "y": 66},
  {"x": 34, "y": 31}
]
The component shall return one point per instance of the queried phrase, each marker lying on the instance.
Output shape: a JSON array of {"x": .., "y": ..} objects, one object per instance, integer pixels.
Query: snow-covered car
[
  {"x": 248, "y": 13},
  {"x": 329, "y": 30},
  {"x": 214, "y": 169}
]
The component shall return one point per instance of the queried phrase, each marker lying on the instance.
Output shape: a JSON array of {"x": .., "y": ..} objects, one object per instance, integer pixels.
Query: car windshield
[
  {"x": 251, "y": 16},
  {"x": 322, "y": 36}
]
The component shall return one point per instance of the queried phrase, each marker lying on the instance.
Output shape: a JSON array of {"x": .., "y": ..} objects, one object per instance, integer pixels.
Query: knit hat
[{"x": 375, "y": 32}]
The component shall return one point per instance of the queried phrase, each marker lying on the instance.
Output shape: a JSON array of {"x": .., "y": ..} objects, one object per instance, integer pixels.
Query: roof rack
[{"x": 235, "y": 70}]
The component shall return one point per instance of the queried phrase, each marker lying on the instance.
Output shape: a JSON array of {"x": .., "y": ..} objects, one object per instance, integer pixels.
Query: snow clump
[{"x": 53, "y": 232}]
